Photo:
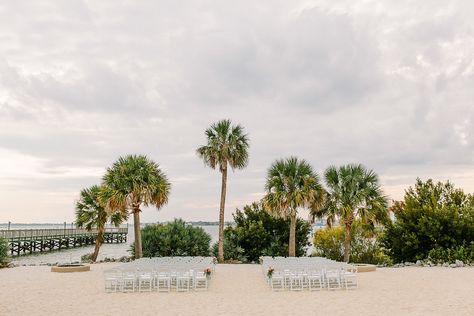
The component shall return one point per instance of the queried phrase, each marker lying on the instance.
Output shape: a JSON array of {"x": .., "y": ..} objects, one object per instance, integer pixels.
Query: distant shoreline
[{"x": 194, "y": 223}]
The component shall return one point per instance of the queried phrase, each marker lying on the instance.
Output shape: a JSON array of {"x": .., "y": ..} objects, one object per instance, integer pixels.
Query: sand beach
[{"x": 240, "y": 290}]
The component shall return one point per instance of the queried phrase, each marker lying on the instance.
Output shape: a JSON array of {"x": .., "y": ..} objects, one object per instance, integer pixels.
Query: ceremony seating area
[
  {"x": 163, "y": 274},
  {"x": 308, "y": 273}
]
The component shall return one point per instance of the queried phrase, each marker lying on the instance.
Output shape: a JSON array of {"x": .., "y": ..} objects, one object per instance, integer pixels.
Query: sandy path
[{"x": 240, "y": 290}]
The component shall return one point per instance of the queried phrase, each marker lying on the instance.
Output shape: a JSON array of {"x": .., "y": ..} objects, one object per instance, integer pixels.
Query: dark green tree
[
  {"x": 431, "y": 216},
  {"x": 256, "y": 233},
  {"x": 175, "y": 239}
]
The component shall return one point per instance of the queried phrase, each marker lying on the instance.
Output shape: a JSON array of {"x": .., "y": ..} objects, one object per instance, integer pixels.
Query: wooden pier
[{"x": 28, "y": 241}]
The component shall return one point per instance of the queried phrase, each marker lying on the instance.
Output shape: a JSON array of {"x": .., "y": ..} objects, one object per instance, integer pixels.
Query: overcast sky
[{"x": 389, "y": 84}]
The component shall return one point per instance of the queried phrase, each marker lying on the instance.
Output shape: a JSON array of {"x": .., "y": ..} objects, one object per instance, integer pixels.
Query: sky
[{"x": 389, "y": 84}]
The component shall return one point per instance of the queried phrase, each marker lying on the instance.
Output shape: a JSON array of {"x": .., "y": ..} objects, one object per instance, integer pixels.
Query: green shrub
[
  {"x": 174, "y": 239},
  {"x": 432, "y": 216},
  {"x": 256, "y": 233},
  {"x": 365, "y": 246},
  {"x": 329, "y": 243},
  {"x": 450, "y": 255},
  {"x": 232, "y": 251},
  {"x": 4, "y": 258},
  {"x": 87, "y": 257}
]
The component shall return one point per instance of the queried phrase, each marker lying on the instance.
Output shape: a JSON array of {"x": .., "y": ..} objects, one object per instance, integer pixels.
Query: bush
[
  {"x": 450, "y": 255},
  {"x": 433, "y": 218},
  {"x": 174, "y": 239},
  {"x": 329, "y": 242},
  {"x": 87, "y": 257},
  {"x": 232, "y": 251},
  {"x": 256, "y": 233},
  {"x": 365, "y": 245},
  {"x": 4, "y": 258}
]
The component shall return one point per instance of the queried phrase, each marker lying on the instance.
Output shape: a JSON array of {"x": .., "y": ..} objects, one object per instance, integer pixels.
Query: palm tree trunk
[
  {"x": 221, "y": 217},
  {"x": 292, "y": 242},
  {"x": 138, "y": 233},
  {"x": 98, "y": 242},
  {"x": 347, "y": 241}
]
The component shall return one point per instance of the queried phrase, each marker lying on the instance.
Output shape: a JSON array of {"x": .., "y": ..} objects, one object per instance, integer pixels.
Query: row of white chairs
[
  {"x": 160, "y": 274},
  {"x": 152, "y": 280},
  {"x": 309, "y": 273}
]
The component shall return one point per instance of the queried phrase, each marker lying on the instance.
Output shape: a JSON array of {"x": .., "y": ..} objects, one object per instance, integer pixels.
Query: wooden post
[{"x": 9, "y": 225}]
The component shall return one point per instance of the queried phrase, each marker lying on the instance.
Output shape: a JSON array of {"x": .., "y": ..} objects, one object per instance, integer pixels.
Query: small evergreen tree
[
  {"x": 174, "y": 239},
  {"x": 257, "y": 233},
  {"x": 433, "y": 217}
]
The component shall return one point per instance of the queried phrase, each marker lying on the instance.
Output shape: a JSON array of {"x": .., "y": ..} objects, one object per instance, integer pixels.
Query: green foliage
[
  {"x": 434, "y": 218},
  {"x": 134, "y": 181},
  {"x": 232, "y": 251},
  {"x": 87, "y": 257},
  {"x": 450, "y": 255},
  {"x": 4, "y": 258},
  {"x": 329, "y": 243},
  {"x": 291, "y": 184},
  {"x": 352, "y": 192},
  {"x": 227, "y": 144},
  {"x": 365, "y": 246},
  {"x": 90, "y": 214},
  {"x": 175, "y": 239},
  {"x": 256, "y": 233}
]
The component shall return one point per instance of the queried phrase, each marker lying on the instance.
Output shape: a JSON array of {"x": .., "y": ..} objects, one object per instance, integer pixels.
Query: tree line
[{"x": 345, "y": 195}]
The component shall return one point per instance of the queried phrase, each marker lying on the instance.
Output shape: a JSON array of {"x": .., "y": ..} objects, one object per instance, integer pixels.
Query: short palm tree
[
  {"x": 227, "y": 145},
  {"x": 352, "y": 191},
  {"x": 91, "y": 214},
  {"x": 131, "y": 182},
  {"x": 291, "y": 184}
]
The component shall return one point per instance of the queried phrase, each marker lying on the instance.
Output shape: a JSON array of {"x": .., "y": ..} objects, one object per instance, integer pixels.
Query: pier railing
[
  {"x": 30, "y": 234},
  {"x": 26, "y": 241}
]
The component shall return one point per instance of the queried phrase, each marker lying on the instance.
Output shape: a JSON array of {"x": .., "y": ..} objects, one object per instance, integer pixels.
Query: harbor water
[{"x": 74, "y": 254}]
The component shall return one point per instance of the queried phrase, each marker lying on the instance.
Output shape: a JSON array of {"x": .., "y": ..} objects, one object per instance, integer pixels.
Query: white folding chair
[
  {"x": 163, "y": 282},
  {"x": 113, "y": 280},
  {"x": 333, "y": 279},
  {"x": 200, "y": 281},
  {"x": 128, "y": 281}
]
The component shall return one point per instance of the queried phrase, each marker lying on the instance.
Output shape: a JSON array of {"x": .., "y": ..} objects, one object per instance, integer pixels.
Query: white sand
[{"x": 240, "y": 290}]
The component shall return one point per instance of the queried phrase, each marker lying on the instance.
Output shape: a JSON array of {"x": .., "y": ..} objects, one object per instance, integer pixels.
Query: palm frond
[
  {"x": 291, "y": 184},
  {"x": 227, "y": 145},
  {"x": 134, "y": 180}
]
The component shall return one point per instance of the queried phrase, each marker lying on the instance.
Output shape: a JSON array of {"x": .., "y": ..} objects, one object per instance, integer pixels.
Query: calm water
[{"x": 74, "y": 254}]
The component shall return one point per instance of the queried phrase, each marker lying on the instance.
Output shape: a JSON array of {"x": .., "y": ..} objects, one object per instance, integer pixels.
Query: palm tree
[
  {"x": 352, "y": 191},
  {"x": 227, "y": 145},
  {"x": 91, "y": 214},
  {"x": 131, "y": 182},
  {"x": 291, "y": 184}
]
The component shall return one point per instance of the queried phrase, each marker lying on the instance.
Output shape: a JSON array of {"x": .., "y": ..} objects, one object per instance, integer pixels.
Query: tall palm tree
[
  {"x": 352, "y": 191},
  {"x": 291, "y": 184},
  {"x": 91, "y": 214},
  {"x": 227, "y": 145},
  {"x": 131, "y": 182}
]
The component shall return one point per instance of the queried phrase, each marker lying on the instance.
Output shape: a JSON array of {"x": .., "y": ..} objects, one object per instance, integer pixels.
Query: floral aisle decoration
[
  {"x": 270, "y": 272},
  {"x": 208, "y": 272}
]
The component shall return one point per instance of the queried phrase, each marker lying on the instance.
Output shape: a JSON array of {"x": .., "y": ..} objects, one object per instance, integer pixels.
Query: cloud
[{"x": 387, "y": 84}]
